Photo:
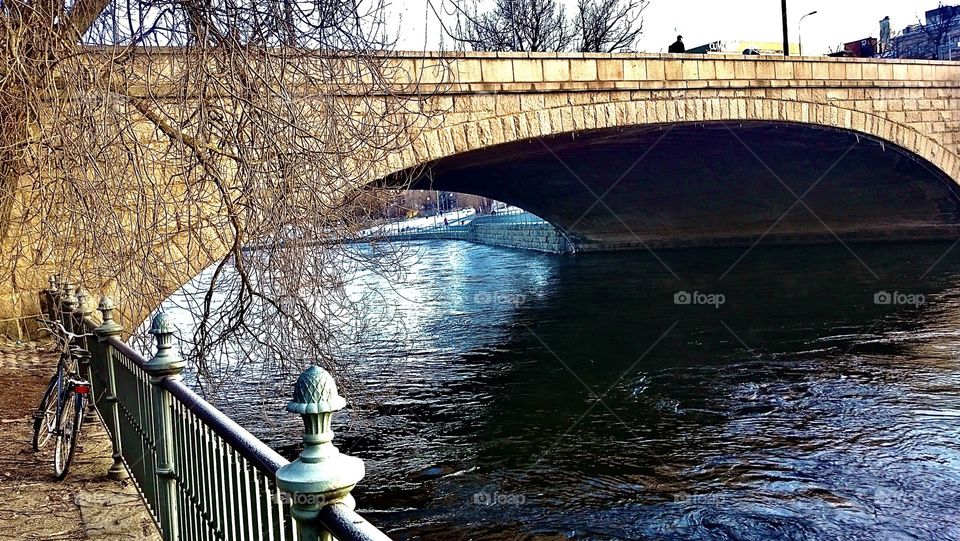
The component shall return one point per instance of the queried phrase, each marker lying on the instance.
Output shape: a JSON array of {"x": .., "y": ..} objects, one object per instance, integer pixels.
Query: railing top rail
[
  {"x": 250, "y": 447},
  {"x": 347, "y": 525},
  {"x": 261, "y": 455}
]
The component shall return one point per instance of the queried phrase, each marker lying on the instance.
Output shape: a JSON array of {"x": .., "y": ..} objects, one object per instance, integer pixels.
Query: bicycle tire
[
  {"x": 48, "y": 409},
  {"x": 71, "y": 417}
]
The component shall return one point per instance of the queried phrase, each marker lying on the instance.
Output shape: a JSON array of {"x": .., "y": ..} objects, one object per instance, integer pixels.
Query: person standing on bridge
[{"x": 677, "y": 46}]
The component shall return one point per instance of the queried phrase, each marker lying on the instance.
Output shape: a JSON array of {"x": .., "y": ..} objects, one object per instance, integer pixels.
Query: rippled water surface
[{"x": 540, "y": 397}]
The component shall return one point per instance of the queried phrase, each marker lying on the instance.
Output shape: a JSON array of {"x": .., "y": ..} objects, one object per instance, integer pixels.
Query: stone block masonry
[
  {"x": 538, "y": 236},
  {"x": 484, "y": 101}
]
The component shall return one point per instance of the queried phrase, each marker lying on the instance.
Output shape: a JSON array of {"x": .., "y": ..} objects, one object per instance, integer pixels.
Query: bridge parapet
[
  {"x": 449, "y": 72},
  {"x": 485, "y": 72}
]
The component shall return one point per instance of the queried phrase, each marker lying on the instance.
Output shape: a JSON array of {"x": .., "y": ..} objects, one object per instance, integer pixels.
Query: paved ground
[{"x": 33, "y": 505}]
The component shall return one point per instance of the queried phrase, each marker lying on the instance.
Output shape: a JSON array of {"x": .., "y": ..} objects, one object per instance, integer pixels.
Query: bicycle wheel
[
  {"x": 45, "y": 418},
  {"x": 71, "y": 416}
]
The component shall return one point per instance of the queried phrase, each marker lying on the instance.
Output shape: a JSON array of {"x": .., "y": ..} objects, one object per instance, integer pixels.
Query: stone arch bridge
[
  {"x": 628, "y": 151},
  {"x": 625, "y": 151}
]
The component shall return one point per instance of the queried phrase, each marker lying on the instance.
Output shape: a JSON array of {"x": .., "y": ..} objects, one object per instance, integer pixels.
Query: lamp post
[
  {"x": 800, "y": 30},
  {"x": 786, "y": 30}
]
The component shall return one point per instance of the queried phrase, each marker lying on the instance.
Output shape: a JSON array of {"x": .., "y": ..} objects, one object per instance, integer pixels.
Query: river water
[{"x": 535, "y": 396}]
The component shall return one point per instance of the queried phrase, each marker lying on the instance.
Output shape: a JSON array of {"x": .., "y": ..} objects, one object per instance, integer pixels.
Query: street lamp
[
  {"x": 786, "y": 37},
  {"x": 800, "y": 30}
]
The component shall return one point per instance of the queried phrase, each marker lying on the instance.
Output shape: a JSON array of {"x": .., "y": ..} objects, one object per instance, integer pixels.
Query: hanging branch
[{"x": 142, "y": 142}]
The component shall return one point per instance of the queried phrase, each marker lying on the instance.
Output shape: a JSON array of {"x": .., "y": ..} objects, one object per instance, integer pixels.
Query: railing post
[
  {"x": 321, "y": 475},
  {"x": 68, "y": 305},
  {"x": 166, "y": 364},
  {"x": 82, "y": 311},
  {"x": 52, "y": 298},
  {"x": 109, "y": 328}
]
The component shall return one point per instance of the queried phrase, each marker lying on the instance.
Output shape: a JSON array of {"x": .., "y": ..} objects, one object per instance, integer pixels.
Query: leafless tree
[
  {"x": 542, "y": 25},
  {"x": 609, "y": 25},
  {"x": 142, "y": 141},
  {"x": 929, "y": 39},
  {"x": 938, "y": 28},
  {"x": 513, "y": 25},
  {"x": 481, "y": 204}
]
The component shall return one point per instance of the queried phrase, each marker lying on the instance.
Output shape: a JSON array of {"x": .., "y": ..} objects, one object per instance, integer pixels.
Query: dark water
[{"x": 544, "y": 397}]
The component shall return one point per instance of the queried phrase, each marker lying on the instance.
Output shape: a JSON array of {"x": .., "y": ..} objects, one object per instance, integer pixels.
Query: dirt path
[{"x": 33, "y": 505}]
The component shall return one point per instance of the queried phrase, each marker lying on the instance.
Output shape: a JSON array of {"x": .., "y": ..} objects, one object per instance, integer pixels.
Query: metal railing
[{"x": 200, "y": 474}]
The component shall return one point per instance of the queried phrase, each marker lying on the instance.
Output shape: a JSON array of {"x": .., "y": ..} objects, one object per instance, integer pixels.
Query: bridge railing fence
[{"x": 200, "y": 474}]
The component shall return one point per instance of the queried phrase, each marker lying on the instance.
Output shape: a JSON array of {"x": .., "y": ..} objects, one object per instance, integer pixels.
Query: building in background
[
  {"x": 884, "y": 45},
  {"x": 863, "y": 48},
  {"x": 937, "y": 38}
]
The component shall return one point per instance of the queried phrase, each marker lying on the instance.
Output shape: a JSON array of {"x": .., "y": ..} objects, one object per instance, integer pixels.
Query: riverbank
[{"x": 33, "y": 505}]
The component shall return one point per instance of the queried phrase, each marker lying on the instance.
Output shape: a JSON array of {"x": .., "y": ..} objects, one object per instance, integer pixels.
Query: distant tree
[
  {"x": 930, "y": 39},
  {"x": 608, "y": 26},
  {"x": 477, "y": 202},
  {"x": 543, "y": 26},
  {"x": 938, "y": 29},
  {"x": 513, "y": 25}
]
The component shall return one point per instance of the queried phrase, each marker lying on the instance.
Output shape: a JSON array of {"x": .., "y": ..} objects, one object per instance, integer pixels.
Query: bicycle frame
[
  {"x": 62, "y": 375},
  {"x": 68, "y": 389}
]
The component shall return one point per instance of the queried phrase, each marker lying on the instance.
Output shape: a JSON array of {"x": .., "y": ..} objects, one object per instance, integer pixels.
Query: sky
[{"x": 417, "y": 27}]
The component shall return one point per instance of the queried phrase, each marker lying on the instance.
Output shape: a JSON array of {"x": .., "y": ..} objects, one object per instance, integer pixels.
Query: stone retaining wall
[
  {"x": 492, "y": 230},
  {"x": 538, "y": 236}
]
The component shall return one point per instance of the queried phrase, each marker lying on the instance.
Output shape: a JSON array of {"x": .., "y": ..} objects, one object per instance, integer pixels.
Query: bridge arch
[
  {"x": 438, "y": 153},
  {"x": 448, "y": 141}
]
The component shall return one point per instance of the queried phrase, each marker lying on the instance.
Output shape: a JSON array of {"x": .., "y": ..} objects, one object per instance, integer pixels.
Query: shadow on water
[{"x": 583, "y": 398}]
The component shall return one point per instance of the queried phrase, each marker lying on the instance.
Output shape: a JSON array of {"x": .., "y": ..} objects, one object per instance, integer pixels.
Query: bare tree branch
[
  {"x": 542, "y": 25},
  {"x": 513, "y": 25},
  {"x": 82, "y": 15},
  {"x": 142, "y": 142},
  {"x": 609, "y": 25},
  {"x": 938, "y": 28}
]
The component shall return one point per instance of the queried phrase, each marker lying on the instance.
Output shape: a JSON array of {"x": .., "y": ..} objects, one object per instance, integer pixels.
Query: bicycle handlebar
[{"x": 64, "y": 335}]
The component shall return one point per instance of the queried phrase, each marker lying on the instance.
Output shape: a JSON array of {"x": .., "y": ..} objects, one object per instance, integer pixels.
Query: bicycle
[{"x": 61, "y": 410}]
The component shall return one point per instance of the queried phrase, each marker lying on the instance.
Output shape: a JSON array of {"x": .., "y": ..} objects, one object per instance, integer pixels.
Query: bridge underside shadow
[{"x": 706, "y": 184}]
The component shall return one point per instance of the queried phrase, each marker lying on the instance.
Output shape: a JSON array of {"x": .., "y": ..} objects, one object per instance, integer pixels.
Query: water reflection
[{"x": 555, "y": 398}]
